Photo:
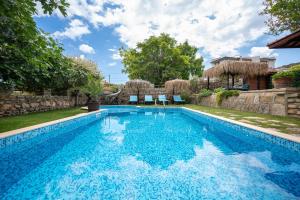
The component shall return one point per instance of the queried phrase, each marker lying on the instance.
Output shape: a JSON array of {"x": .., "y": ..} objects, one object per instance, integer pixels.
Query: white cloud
[
  {"x": 262, "y": 52},
  {"x": 235, "y": 22},
  {"x": 116, "y": 56},
  {"x": 112, "y": 50},
  {"x": 82, "y": 56},
  {"x": 75, "y": 30},
  {"x": 219, "y": 27},
  {"x": 112, "y": 64},
  {"x": 86, "y": 49}
]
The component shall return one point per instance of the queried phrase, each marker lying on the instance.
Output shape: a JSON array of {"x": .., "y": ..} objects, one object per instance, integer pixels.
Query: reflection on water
[{"x": 151, "y": 155}]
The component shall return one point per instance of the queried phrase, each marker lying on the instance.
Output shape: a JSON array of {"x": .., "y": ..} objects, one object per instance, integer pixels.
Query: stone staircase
[{"x": 293, "y": 103}]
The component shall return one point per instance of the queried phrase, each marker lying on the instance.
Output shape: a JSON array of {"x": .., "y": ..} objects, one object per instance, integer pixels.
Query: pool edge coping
[
  {"x": 37, "y": 126},
  {"x": 250, "y": 126}
]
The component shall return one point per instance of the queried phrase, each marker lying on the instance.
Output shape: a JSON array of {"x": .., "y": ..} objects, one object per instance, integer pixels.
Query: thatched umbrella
[
  {"x": 137, "y": 85},
  {"x": 243, "y": 68},
  {"x": 176, "y": 86}
]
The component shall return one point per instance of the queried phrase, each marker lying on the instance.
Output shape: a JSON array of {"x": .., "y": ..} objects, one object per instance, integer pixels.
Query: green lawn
[
  {"x": 289, "y": 125},
  {"x": 15, "y": 122}
]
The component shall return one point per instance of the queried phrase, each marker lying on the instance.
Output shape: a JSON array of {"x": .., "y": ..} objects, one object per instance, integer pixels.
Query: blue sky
[{"x": 97, "y": 29}]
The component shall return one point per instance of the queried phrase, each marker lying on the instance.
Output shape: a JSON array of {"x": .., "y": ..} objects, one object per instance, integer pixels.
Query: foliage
[
  {"x": 224, "y": 94},
  {"x": 94, "y": 86},
  {"x": 219, "y": 90},
  {"x": 86, "y": 64},
  {"x": 205, "y": 93},
  {"x": 160, "y": 58},
  {"x": 186, "y": 96},
  {"x": 195, "y": 83},
  {"x": 292, "y": 73},
  {"x": 296, "y": 70},
  {"x": 30, "y": 59},
  {"x": 283, "y": 74},
  {"x": 283, "y": 15}
]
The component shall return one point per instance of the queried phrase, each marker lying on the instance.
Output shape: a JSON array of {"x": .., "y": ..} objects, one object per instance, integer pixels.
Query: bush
[
  {"x": 195, "y": 84},
  {"x": 204, "y": 93},
  {"x": 219, "y": 90},
  {"x": 283, "y": 74},
  {"x": 293, "y": 73},
  {"x": 296, "y": 70},
  {"x": 186, "y": 96},
  {"x": 94, "y": 87},
  {"x": 221, "y": 94}
]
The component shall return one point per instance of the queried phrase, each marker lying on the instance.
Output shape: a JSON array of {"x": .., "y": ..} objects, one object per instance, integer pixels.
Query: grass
[
  {"x": 282, "y": 124},
  {"x": 15, "y": 122}
]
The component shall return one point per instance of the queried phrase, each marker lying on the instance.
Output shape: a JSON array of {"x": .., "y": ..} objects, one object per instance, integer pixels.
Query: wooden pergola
[
  {"x": 290, "y": 41},
  {"x": 236, "y": 67}
]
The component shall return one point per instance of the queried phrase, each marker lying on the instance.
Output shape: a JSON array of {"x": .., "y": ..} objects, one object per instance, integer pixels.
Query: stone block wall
[
  {"x": 281, "y": 102},
  {"x": 19, "y": 104},
  {"x": 293, "y": 103}
]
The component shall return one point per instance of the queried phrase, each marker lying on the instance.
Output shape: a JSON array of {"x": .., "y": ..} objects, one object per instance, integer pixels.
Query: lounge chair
[
  {"x": 148, "y": 99},
  {"x": 133, "y": 99},
  {"x": 162, "y": 99},
  {"x": 177, "y": 99}
]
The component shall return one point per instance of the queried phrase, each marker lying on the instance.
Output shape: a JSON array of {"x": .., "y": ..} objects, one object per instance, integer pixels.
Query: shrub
[
  {"x": 195, "y": 84},
  {"x": 93, "y": 88},
  {"x": 221, "y": 94},
  {"x": 186, "y": 96},
  {"x": 296, "y": 70},
  {"x": 219, "y": 90},
  {"x": 205, "y": 93},
  {"x": 283, "y": 74},
  {"x": 293, "y": 73}
]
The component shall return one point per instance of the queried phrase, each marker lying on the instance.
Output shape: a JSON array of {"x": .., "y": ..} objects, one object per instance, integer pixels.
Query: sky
[{"x": 96, "y": 29}]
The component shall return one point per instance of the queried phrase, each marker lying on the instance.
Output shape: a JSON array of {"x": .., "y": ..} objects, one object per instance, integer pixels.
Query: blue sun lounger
[
  {"x": 162, "y": 99},
  {"x": 133, "y": 99},
  {"x": 148, "y": 99},
  {"x": 177, "y": 99}
]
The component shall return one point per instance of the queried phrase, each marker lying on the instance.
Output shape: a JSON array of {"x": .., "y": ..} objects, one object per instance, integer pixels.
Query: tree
[
  {"x": 27, "y": 54},
  {"x": 161, "y": 58},
  {"x": 282, "y": 15}
]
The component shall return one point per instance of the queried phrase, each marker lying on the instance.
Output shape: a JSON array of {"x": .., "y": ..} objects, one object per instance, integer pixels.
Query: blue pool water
[{"x": 149, "y": 154}]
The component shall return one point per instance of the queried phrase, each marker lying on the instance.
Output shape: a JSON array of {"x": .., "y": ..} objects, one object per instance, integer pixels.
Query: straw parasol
[
  {"x": 243, "y": 68},
  {"x": 138, "y": 83},
  {"x": 176, "y": 86},
  {"x": 138, "y": 86}
]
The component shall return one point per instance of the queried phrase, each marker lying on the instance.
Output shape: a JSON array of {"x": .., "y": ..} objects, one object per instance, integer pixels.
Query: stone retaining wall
[
  {"x": 18, "y": 104},
  {"x": 281, "y": 102}
]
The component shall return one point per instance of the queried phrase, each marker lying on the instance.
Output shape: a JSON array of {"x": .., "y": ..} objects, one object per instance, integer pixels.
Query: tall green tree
[
  {"x": 27, "y": 54},
  {"x": 161, "y": 58},
  {"x": 283, "y": 15}
]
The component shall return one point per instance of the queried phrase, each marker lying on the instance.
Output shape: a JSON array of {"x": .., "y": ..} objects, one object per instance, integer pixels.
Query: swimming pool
[{"x": 148, "y": 153}]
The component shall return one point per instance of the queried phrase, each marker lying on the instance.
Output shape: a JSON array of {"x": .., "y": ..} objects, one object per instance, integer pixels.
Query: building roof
[
  {"x": 261, "y": 59},
  {"x": 290, "y": 41}
]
